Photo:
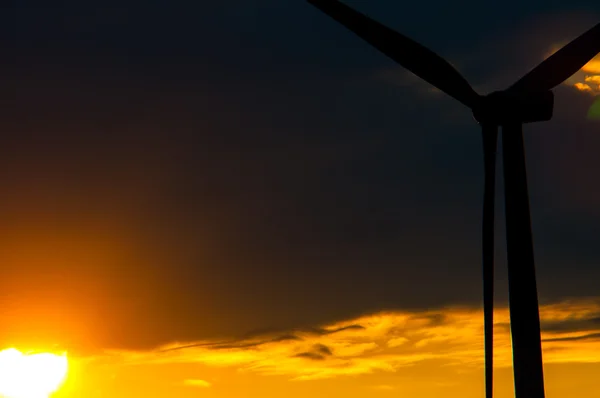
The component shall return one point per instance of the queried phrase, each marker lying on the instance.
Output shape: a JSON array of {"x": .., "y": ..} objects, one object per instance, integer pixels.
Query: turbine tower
[{"x": 529, "y": 100}]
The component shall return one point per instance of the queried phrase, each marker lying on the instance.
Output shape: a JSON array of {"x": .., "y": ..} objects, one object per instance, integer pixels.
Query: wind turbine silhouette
[{"x": 528, "y": 100}]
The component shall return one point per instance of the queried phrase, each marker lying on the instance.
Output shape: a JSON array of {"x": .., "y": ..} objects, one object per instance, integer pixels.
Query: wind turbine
[{"x": 528, "y": 100}]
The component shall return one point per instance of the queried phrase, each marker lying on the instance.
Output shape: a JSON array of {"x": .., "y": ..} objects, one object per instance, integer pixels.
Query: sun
[{"x": 31, "y": 375}]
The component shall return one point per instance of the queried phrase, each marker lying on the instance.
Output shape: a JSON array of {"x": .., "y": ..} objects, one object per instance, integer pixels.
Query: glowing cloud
[
  {"x": 197, "y": 383},
  {"x": 390, "y": 341},
  {"x": 593, "y": 66},
  {"x": 593, "y": 79},
  {"x": 587, "y": 79},
  {"x": 583, "y": 87}
]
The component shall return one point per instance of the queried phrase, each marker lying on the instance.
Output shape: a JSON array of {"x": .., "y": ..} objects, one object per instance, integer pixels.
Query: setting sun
[{"x": 31, "y": 375}]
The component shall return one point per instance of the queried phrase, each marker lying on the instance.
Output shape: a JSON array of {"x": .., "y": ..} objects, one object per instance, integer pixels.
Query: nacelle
[{"x": 502, "y": 107}]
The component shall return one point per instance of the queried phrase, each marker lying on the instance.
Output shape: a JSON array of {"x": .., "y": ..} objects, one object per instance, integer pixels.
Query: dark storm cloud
[
  {"x": 318, "y": 353},
  {"x": 432, "y": 319},
  {"x": 572, "y": 325},
  {"x": 591, "y": 336},
  {"x": 246, "y": 166},
  {"x": 258, "y": 339}
]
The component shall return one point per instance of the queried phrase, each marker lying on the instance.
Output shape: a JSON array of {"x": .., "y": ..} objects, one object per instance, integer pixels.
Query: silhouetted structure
[{"x": 528, "y": 100}]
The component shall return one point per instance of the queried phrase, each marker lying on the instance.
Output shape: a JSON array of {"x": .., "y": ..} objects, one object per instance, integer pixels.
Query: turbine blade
[
  {"x": 562, "y": 64},
  {"x": 411, "y": 55},
  {"x": 490, "y": 139}
]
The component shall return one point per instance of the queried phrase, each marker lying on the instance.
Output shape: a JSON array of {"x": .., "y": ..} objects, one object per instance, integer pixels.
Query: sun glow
[
  {"x": 31, "y": 375},
  {"x": 587, "y": 79}
]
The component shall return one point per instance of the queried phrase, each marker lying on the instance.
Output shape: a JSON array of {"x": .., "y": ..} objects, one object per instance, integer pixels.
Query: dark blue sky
[{"x": 211, "y": 169}]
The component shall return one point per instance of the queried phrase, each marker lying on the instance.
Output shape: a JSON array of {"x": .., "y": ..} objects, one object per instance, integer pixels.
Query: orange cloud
[
  {"x": 582, "y": 87},
  {"x": 587, "y": 79},
  {"x": 383, "y": 387},
  {"x": 197, "y": 383},
  {"x": 593, "y": 79},
  {"x": 593, "y": 66},
  {"x": 389, "y": 341}
]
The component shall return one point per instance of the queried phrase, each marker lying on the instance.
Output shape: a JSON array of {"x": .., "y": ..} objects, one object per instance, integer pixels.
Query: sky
[{"x": 243, "y": 199}]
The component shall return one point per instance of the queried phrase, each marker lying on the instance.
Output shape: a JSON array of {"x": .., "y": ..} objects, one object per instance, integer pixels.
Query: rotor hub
[{"x": 502, "y": 107}]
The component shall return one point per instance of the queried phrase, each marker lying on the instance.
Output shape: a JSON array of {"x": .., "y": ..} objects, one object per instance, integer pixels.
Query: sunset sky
[{"x": 243, "y": 199}]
